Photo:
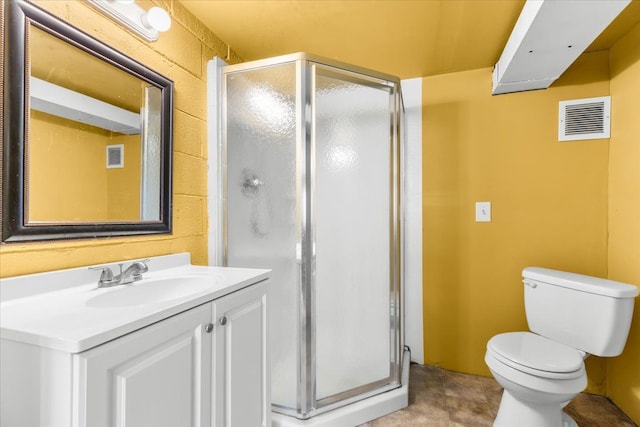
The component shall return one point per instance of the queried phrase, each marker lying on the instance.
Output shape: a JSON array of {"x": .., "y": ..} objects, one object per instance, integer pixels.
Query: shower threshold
[{"x": 358, "y": 412}]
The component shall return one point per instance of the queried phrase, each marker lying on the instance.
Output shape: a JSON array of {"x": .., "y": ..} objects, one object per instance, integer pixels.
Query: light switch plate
[{"x": 483, "y": 211}]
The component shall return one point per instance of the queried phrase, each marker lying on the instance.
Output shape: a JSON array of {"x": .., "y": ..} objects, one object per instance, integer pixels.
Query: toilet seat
[{"x": 536, "y": 355}]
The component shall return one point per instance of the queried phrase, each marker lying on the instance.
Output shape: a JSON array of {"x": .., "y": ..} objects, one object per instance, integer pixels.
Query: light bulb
[{"x": 157, "y": 18}]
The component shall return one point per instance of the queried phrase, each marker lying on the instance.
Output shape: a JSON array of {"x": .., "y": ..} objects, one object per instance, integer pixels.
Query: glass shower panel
[
  {"x": 261, "y": 203},
  {"x": 151, "y": 155},
  {"x": 311, "y": 192},
  {"x": 352, "y": 206}
]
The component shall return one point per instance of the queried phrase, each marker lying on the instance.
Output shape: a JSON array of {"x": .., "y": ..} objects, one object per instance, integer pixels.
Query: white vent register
[
  {"x": 115, "y": 156},
  {"x": 581, "y": 119}
]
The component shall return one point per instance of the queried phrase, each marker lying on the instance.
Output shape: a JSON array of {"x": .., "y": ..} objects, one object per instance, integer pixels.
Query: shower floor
[{"x": 356, "y": 413}]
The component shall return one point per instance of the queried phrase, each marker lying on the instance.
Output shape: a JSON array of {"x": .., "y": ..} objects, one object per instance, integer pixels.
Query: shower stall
[{"x": 312, "y": 190}]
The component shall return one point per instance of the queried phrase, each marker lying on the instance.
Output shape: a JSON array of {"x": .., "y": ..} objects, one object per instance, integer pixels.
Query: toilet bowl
[
  {"x": 539, "y": 377},
  {"x": 570, "y": 316}
]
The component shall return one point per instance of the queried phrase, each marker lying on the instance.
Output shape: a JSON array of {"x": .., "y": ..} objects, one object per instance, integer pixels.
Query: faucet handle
[{"x": 106, "y": 275}]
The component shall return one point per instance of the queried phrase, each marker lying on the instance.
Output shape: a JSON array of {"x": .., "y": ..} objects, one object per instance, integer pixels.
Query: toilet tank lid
[{"x": 580, "y": 282}]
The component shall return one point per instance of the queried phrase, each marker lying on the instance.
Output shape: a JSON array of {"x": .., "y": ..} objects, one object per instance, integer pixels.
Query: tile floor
[{"x": 440, "y": 398}]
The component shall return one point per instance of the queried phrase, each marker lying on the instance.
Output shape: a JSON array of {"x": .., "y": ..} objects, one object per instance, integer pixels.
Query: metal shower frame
[{"x": 307, "y": 67}]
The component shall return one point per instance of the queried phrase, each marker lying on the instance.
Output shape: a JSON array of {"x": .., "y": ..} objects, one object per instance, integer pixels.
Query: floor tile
[
  {"x": 470, "y": 412},
  {"x": 590, "y": 410},
  {"x": 441, "y": 398}
]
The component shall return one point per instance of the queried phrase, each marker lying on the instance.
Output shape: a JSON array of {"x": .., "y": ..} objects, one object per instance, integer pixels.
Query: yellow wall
[
  {"x": 623, "y": 372},
  {"x": 180, "y": 54},
  {"x": 549, "y": 206},
  {"x": 123, "y": 184},
  {"x": 67, "y": 179}
]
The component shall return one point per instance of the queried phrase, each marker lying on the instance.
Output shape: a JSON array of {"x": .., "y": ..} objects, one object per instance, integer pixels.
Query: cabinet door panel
[
  {"x": 152, "y": 377},
  {"x": 241, "y": 383},
  {"x": 156, "y": 388}
]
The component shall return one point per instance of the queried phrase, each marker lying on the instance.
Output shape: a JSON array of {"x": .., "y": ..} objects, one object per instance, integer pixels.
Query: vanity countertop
[{"x": 51, "y": 309}]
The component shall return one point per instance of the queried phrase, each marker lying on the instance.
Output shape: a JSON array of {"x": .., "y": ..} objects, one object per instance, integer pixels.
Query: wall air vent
[
  {"x": 115, "y": 156},
  {"x": 588, "y": 118}
]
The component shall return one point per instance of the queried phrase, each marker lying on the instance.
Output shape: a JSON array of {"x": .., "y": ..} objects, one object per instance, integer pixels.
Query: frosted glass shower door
[
  {"x": 353, "y": 234},
  {"x": 261, "y": 224},
  {"x": 312, "y": 193}
]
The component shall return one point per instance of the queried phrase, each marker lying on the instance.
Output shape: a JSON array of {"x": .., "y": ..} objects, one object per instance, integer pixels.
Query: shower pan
[{"x": 312, "y": 190}]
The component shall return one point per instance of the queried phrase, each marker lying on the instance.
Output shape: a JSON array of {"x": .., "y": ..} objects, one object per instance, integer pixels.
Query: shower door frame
[{"x": 307, "y": 67}]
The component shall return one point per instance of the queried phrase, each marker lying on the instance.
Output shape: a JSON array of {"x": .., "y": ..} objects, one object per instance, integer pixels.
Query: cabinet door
[
  {"x": 241, "y": 377},
  {"x": 155, "y": 377}
]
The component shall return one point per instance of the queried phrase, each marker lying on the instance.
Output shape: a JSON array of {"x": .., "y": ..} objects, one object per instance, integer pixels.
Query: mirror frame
[{"x": 18, "y": 15}]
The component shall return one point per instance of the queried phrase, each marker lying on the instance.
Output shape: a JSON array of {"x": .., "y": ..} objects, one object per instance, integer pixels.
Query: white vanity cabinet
[
  {"x": 203, "y": 367},
  {"x": 241, "y": 367},
  {"x": 195, "y": 361},
  {"x": 156, "y": 376}
]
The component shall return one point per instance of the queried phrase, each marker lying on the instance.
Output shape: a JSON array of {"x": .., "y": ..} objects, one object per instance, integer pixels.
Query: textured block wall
[{"x": 181, "y": 54}]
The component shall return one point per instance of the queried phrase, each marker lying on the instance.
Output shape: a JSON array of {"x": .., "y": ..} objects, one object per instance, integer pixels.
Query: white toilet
[{"x": 570, "y": 316}]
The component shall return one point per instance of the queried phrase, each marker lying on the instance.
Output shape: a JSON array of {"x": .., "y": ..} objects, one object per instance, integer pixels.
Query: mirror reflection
[
  {"x": 93, "y": 152},
  {"x": 87, "y": 141}
]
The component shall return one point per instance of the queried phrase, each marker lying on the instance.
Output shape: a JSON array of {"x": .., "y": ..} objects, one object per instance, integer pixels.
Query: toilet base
[{"x": 521, "y": 413}]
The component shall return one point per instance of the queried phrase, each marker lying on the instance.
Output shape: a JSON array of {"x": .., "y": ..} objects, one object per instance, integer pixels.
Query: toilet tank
[{"x": 583, "y": 312}]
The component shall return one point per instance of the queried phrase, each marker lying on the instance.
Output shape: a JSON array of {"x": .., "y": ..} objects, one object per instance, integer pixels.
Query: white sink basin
[{"x": 153, "y": 291}]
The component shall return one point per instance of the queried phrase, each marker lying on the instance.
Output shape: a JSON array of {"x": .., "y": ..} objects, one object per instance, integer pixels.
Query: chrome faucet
[{"x": 132, "y": 274}]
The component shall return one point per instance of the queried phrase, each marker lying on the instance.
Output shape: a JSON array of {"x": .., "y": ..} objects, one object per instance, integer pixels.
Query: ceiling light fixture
[{"x": 147, "y": 25}]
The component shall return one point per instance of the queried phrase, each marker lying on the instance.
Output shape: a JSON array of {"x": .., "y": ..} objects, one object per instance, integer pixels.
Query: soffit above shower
[
  {"x": 405, "y": 38},
  {"x": 548, "y": 37}
]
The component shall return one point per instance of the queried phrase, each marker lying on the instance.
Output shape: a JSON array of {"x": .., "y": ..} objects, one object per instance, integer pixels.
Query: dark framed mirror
[{"x": 87, "y": 135}]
